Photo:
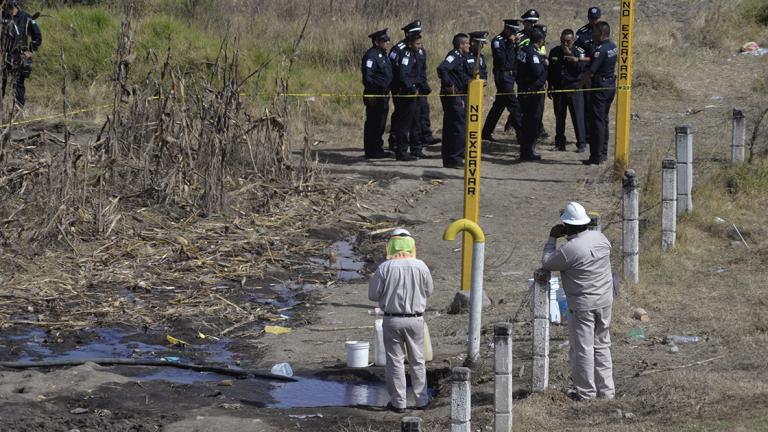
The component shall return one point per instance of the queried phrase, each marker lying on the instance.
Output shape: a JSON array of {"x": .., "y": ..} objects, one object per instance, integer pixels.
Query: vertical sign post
[
  {"x": 623, "y": 104},
  {"x": 472, "y": 158}
]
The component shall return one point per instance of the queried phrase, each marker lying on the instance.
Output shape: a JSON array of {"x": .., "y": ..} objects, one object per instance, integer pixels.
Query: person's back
[
  {"x": 401, "y": 286},
  {"x": 586, "y": 270}
]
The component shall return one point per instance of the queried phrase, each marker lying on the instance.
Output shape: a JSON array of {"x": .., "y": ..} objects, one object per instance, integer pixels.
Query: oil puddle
[
  {"x": 314, "y": 393},
  {"x": 342, "y": 260}
]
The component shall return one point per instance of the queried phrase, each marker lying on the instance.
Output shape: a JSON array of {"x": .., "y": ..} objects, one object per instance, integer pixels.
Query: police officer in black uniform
[
  {"x": 584, "y": 41},
  {"x": 531, "y": 82},
  {"x": 504, "y": 50},
  {"x": 476, "y": 41},
  {"x": 21, "y": 37},
  {"x": 405, "y": 89},
  {"x": 565, "y": 73},
  {"x": 377, "y": 77},
  {"x": 423, "y": 129},
  {"x": 602, "y": 75},
  {"x": 454, "y": 77}
]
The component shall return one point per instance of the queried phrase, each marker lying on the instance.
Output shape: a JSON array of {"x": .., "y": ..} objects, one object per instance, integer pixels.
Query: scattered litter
[
  {"x": 717, "y": 98},
  {"x": 721, "y": 270},
  {"x": 674, "y": 349},
  {"x": 641, "y": 315},
  {"x": 636, "y": 334},
  {"x": 674, "y": 339},
  {"x": 103, "y": 412},
  {"x": 376, "y": 311},
  {"x": 78, "y": 411},
  {"x": 171, "y": 359},
  {"x": 276, "y": 330},
  {"x": 304, "y": 416},
  {"x": 629, "y": 415},
  {"x": 228, "y": 406},
  {"x": 173, "y": 341},
  {"x": 227, "y": 383},
  {"x": 719, "y": 220},
  {"x": 283, "y": 369},
  {"x": 201, "y": 335},
  {"x": 753, "y": 49},
  {"x": 511, "y": 273}
]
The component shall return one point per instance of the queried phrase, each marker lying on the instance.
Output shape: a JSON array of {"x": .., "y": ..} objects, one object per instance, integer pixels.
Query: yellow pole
[
  {"x": 623, "y": 103},
  {"x": 472, "y": 172}
]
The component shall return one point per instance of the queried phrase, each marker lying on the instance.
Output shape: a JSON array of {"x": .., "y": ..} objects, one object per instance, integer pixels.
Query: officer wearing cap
[
  {"x": 584, "y": 263},
  {"x": 584, "y": 41},
  {"x": 565, "y": 73},
  {"x": 401, "y": 286},
  {"x": 504, "y": 50},
  {"x": 602, "y": 76},
  {"x": 531, "y": 82},
  {"x": 454, "y": 74},
  {"x": 405, "y": 88},
  {"x": 476, "y": 41},
  {"x": 423, "y": 126},
  {"x": 377, "y": 77},
  {"x": 21, "y": 37}
]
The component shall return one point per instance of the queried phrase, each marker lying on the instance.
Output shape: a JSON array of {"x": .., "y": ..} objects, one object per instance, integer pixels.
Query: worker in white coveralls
[
  {"x": 584, "y": 263},
  {"x": 401, "y": 286}
]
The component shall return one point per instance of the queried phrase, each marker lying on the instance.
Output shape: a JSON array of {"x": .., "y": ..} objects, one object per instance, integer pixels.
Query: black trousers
[
  {"x": 403, "y": 118},
  {"x": 600, "y": 108},
  {"x": 376, "y": 110},
  {"x": 564, "y": 103},
  {"x": 454, "y": 129},
  {"x": 532, "y": 109},
  {"x": 425, "y": 125},
  {"x": 509, "y": 101}
]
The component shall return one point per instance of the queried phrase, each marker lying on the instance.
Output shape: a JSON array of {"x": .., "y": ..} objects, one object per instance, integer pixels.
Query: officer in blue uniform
[
  {"x": 565, "y": 73},
  {"x": 476, "y": 42},
  {"x": 405, "y": 89},
  {"x": 530, "y": 20},
  {"x": 531, "y": 82},
  {"x": 602, "y": 75},
  {"x": 423, "y": 130},
  {"x": 21, "y": 37},
  {"x": 504, "y": 50},
  {"x": 585, "y": 42},
  {"x": 454, "y": 77},
  {"x": 377, "y": 77}
]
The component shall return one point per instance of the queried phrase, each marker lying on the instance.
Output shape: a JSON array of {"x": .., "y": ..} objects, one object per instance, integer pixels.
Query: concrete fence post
[
  {"x": 595, "y": 223},
  {"x": 739, "y": 136},
  {"x": 502, "y": 367},
  {"x": 668, "y": 204},
  {"x": 410, "y": 424},
  {"x": 631, "y": 230},
  {"x": 684, "y": 145},
  {"x": 461, "y": 399},
  {"x": 540, "y": 299}
]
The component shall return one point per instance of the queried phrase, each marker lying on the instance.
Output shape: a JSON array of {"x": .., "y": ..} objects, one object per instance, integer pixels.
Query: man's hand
[
  {"x": 557, "y": 231},
  {"x": 28, "y": 54}
]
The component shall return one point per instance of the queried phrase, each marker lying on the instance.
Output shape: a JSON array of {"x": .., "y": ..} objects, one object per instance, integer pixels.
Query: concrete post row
[
  {"x": 461, "y": 400},
  {"x": 684, "y": 147},
  {"x": 540, "y": 299},
  {"x": 668, "y": 204},
  {"x": 739, "y": 136},
  {"x": 631, "y": 229},
  {"x": 502, "y": 367}
]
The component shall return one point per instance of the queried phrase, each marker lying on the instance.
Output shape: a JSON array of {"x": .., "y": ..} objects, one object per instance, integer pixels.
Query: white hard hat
[
  {"x": 574, "y": 214},
  {"x": 399, "y": 232}
]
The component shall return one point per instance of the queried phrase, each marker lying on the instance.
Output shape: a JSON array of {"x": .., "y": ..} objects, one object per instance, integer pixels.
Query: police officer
[
  {"x": 584, "y": 41},
  {"x": 531, "y": 81},
  {"x": 565, "y": 73},
  {"x": 476, "y": 41},
  {"x": 405, "y": 89},
  {"x": 18, "y": 29},
  {"x": 602, "y": 75},
  {"x": 423, "y": 129},
  {"x": 504, "y": 50},
  {"x": 454, "y": 76},
  {"x": 377, "y": 77}
]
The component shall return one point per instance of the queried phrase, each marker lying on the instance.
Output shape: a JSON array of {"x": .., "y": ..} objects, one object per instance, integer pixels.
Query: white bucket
[{"x": 357, "y": 354}]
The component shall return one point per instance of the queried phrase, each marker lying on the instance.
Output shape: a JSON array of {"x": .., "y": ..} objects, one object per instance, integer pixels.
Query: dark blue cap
[
  {"x": 542, "y": 27},
  {"x": 594, "y": 13},
  {"x": 414, "y": 27},
  {"x": 514, "y": 24},
  {"x": 481, "y": 36},
  {"x": 379, "y": 35},
  {"x": 530, "y": 15}
]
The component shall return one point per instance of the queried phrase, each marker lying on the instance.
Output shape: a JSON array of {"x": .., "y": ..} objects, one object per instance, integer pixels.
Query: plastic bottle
[
  {"x": 428, "y": 355},
  {"x": 375, "y": 311},
  {"x": 562, "y": 304},
  {"x": 379, "y": 353},
  {"x": 283, "y": 369},
  {"x": 554, "y": 308},
  {"x": 682, "y": 339},
  {"x": 636, "y": 334}
]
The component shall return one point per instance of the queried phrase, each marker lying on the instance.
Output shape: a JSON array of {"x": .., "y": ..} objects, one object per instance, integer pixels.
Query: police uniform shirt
[
  {"x": 603, "y": 63},
  {"x": 584, "y": 39},
  {"x": 531, "y": 72},
  {"x": 18, "y": 29},
  {"x": 422, "y": 66},
  {"x": 470, "y": 58},
  {"x": 406, "y": 72},
  {"x": 504, "y": 54},
  {"x": 562, "y": 73},
  {"x": 452, "y": 71},
  {"x": 377, "y": 71}
]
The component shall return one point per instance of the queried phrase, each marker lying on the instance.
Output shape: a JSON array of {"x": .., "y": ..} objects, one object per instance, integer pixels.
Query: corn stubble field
[{"x": 222, "y": 148}]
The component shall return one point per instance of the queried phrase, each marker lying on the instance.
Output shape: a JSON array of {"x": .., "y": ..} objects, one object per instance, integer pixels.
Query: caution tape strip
[{"x": 309, "y": 95}]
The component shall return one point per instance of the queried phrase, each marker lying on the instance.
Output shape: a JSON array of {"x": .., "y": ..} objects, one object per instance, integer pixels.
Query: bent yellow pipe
[{"x": 478, "y": 236}]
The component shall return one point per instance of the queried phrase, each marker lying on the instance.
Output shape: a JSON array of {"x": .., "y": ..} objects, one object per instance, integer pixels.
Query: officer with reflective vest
[
  {"x": 454, "y": 77},
  {"x": 377, "y": 77},
  {"x": 504, "y": 50},
  {"x": 565, "y": 73},
  {"x": 405, "y": 88},
  {"x": 21, "y": 37},
  {"x": 531, "y": 82},
  {"x": 602, "y": 75}
]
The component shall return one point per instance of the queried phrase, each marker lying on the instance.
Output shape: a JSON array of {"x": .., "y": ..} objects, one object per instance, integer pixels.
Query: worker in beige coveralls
[
  {"x": 401, "y": 286},
  {"x": 584, "y": 263}
]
